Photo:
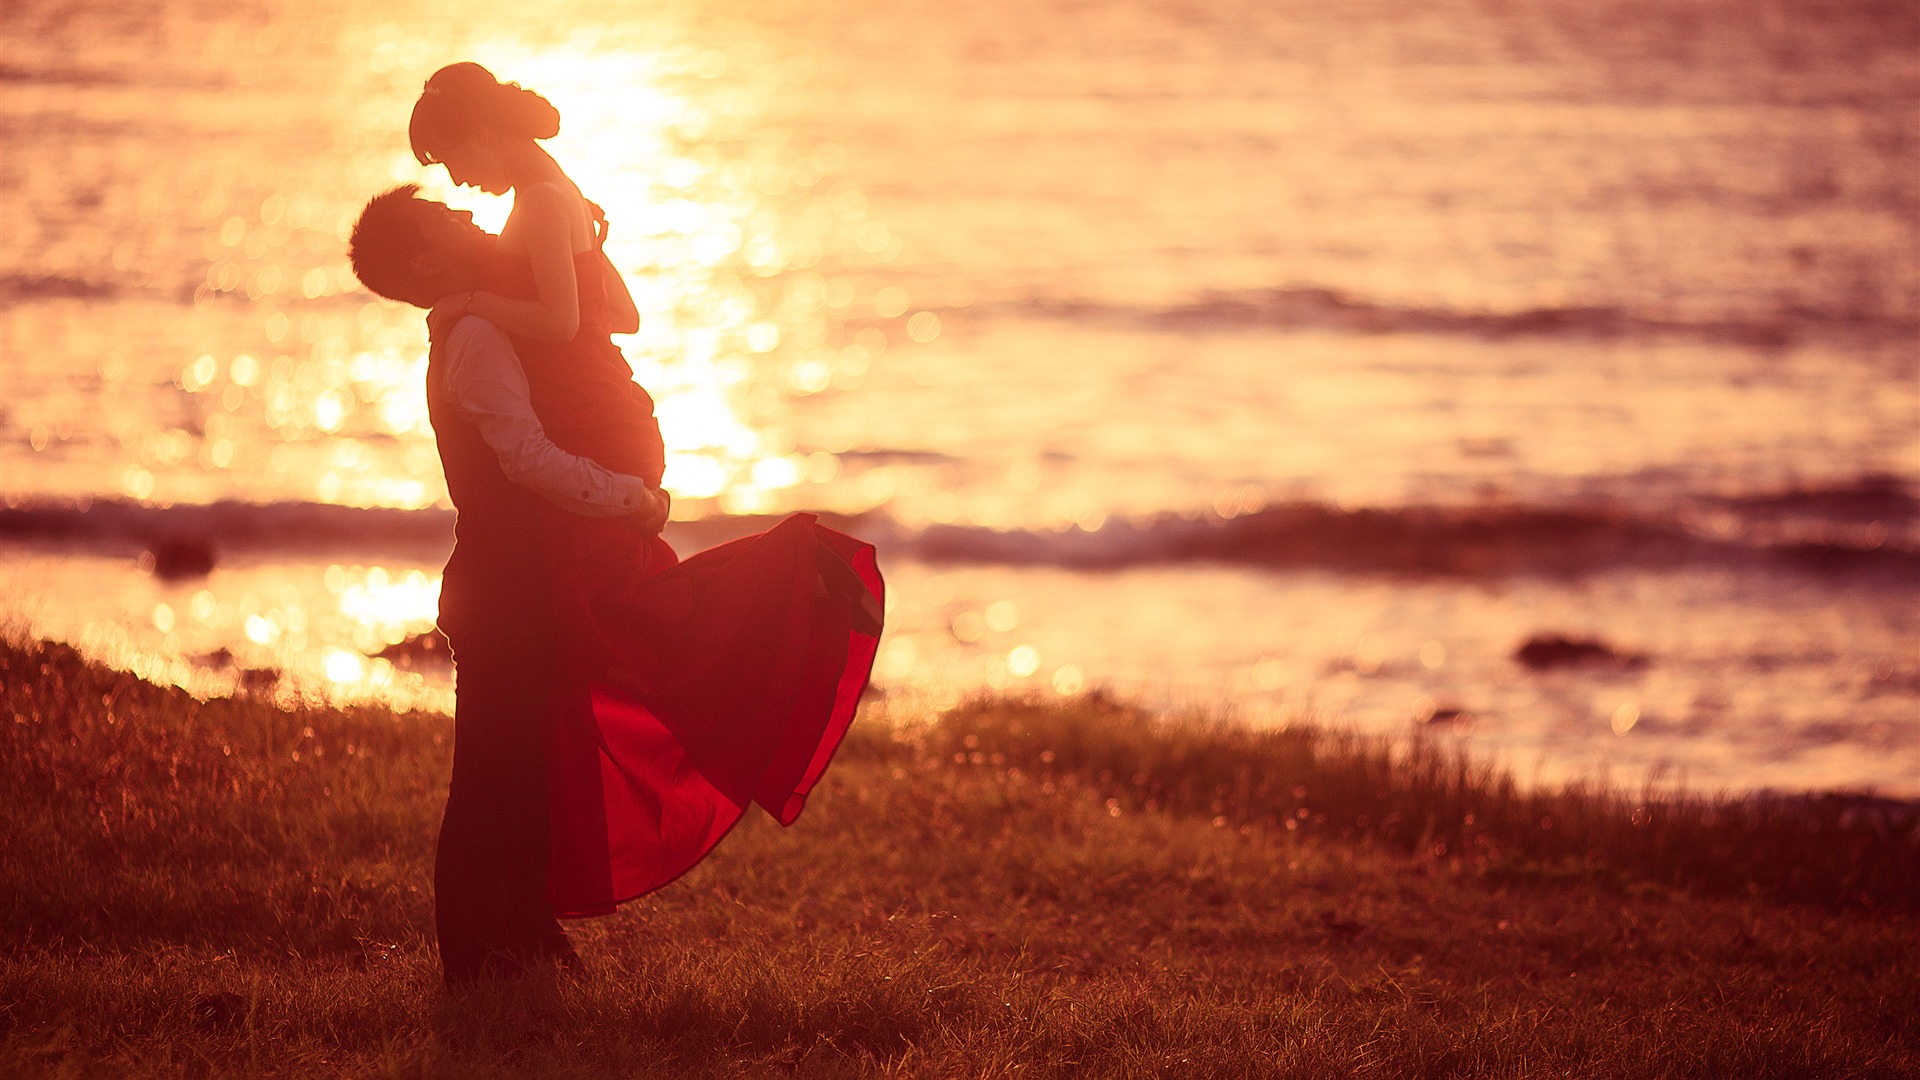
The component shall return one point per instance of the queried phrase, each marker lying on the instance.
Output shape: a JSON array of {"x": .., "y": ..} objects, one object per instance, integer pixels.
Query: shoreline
[
  {"x": 1731, "y": 678},
  {"x": 420, "y": 659}
]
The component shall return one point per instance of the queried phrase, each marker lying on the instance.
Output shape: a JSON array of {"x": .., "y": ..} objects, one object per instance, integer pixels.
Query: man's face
[{"x": 454, "y": 245}]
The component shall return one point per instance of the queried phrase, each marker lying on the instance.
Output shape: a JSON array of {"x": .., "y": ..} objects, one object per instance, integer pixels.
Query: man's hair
[{"x": 384, "y": 242}]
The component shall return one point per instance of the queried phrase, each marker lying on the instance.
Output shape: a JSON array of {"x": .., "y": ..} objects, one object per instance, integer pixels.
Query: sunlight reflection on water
[
  {"x": 974, "y": 266},
  {"x": 296, "y": 387},
  {"x": 716, "y": 233}
]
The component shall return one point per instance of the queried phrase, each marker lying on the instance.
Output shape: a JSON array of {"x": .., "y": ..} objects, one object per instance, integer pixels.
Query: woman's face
[{"x": 478, "y": 162}]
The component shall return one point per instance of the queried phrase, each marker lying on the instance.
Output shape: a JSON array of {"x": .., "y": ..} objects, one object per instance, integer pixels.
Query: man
[{"x": 491, "y": 911}]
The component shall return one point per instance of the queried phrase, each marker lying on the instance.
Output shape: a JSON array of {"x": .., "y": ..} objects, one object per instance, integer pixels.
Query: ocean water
[{"x": 1276, "y": 359}]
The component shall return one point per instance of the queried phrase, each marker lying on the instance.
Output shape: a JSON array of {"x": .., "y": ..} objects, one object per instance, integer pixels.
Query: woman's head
[{"x": 471, "y": 122}]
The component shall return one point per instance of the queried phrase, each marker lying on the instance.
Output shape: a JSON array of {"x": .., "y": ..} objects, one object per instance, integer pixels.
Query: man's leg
[{"x": 490, "y": 868}]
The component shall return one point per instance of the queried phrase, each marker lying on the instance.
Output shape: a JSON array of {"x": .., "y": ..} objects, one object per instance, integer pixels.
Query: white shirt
[{"x": 484, "y": 379}]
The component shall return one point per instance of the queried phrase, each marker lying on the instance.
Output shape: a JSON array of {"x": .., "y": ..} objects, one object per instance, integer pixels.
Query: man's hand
[{"x": 652, "y": 517}]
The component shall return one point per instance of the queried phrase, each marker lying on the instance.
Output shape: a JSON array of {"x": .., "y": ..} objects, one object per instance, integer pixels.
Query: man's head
[{"x": 414, "y": 250}]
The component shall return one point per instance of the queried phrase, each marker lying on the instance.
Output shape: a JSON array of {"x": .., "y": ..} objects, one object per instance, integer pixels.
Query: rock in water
[
  {"x": 1543, "y": 651},
  {"x": 174, "y": 559}
]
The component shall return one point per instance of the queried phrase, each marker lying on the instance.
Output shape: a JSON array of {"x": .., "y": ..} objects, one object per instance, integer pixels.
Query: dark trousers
[{"x": 491, "y": 910}]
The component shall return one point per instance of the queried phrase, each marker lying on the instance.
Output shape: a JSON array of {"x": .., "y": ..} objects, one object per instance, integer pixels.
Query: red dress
[{"x": 687, "y": 689}]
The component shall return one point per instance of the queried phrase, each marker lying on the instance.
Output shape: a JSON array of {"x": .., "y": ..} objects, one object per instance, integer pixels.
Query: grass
[{"x": 232, "y": 888}]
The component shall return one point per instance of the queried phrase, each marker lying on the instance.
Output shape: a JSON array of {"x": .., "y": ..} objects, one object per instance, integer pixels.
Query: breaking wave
[
  {"x": 1314, "y": 308},
  {"x": 1875, "y": 523}
]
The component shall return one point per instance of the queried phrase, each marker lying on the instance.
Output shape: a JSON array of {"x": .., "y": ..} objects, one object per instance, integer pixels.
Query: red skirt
[{"x": 689, "y": 690}]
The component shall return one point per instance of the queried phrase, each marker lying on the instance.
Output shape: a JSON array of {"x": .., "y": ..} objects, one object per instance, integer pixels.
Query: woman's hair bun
[
  {"x": 462, "y": 98},
  {"x": 533, "y": 114}
]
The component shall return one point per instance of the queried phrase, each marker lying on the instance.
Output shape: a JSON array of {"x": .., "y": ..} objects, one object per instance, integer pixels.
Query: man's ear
[{"x": 426, "y": 265}]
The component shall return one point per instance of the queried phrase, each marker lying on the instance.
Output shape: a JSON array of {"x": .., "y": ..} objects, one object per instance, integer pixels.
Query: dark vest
[
  {"x": 495, "y": 581},
  {"x": 583, "y": 389}
]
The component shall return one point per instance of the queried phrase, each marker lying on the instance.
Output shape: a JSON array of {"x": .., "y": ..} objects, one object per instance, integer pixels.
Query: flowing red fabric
[{"x": 688, "y": 689}]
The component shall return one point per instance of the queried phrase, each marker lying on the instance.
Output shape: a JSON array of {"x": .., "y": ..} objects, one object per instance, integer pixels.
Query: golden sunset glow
[
  {"x": 696, "y": 234},
  {"x": 716, "y": 229}
]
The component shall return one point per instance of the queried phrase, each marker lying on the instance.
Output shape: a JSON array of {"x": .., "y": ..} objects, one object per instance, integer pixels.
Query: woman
[
  {"x": 689, "y": 689},
  {"x": 555, "y": 292}
]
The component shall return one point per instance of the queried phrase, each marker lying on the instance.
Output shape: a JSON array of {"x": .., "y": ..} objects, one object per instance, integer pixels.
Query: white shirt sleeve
[{"x": 485, "y": 379}]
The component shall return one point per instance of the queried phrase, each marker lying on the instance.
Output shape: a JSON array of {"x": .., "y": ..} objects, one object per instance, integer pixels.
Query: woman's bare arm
[{"x": 542, "y": 221}]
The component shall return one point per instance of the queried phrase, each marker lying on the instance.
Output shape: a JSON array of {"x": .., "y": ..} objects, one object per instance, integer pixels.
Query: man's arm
[{"x": 485, "y": 379}]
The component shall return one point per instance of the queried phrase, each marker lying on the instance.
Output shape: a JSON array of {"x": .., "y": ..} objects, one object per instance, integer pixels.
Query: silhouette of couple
[{"x": 616, "y": 709}]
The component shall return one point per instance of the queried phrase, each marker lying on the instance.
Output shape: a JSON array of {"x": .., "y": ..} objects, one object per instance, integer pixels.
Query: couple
[{"x": 616, "y": 709}]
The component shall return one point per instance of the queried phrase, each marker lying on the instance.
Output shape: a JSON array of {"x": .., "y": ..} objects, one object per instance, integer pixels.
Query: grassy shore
[{"x": 232, "y": 888}]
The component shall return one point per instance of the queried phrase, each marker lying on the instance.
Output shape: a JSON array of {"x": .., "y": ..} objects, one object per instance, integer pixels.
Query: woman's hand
[{"x": 447, "y": 311}]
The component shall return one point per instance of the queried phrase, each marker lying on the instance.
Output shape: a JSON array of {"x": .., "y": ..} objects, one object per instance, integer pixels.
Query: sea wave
[
  {"x": 1875, "y": 524},
  {"x": 55, "y": 287},
  {"x": 231, "y": 525},
  {"x": 1307, "y": 307},
  {"x": 1476, "y": 541}
]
